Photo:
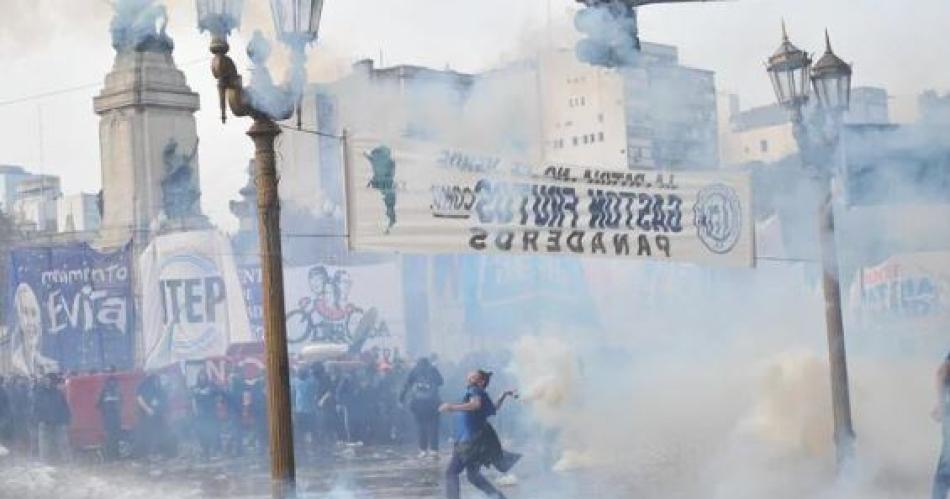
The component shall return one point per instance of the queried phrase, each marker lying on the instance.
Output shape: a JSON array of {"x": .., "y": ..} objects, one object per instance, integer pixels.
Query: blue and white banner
[
  {"x": 70, "y": 309},
  {"x": 192, "y": 303}
]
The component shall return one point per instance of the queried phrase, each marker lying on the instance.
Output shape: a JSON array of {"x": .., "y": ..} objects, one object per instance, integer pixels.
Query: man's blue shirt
[{"x": 469, "y": 423}]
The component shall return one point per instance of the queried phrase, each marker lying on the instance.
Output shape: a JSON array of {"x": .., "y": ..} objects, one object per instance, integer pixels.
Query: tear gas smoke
[
  {"x": 612, "y": 30},
  {"x": 738, "y": 408},
  {"x": 700, "y": 382}
]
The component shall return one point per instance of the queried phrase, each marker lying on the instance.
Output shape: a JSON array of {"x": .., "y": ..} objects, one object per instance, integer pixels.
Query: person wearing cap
[
  {"x": 941, "y": 413},
  {"x": 476, "y": 443}
]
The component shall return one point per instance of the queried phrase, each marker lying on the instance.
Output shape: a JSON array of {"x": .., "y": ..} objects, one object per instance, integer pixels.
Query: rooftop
[{"x": 12, "y": 169}]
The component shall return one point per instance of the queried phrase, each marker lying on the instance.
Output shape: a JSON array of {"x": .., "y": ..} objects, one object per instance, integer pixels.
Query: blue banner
[
  {"x": 506, "y": 296},
  {"x": 71, "y": 309},
  {"x": 253, "y": 289}
]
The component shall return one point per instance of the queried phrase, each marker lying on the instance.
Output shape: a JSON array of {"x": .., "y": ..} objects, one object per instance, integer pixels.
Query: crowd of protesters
[
  {"x": 371, "y": 400},
  {"x": 35, "y": 417}
]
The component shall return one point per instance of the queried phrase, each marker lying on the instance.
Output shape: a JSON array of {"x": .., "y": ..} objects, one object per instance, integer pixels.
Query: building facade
[
  {"x": 656, "y": 115},
  {"x": 35, "y": 207},
  {"x": 78, "y": 213},
  {"x": 10, "y": 178},
  {"x": 765, "y": 134}
]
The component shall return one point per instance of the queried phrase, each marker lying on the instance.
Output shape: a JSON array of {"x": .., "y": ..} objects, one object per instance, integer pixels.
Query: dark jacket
[
  {"x": 50, "y": 406},
  {"x": 110, "y": 408},
  {"x": 485, "y": 450},
  {"x": 4, "y": 405},
  {"x": 423, "y": 386}
]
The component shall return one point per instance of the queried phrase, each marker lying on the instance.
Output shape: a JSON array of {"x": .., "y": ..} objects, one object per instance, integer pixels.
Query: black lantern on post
[
  {"x": 789, "y": 70},
  {"x": 219, "y": 16},
  {"x": 296, "y": 22},
  {"x": 831, "y": 80}
]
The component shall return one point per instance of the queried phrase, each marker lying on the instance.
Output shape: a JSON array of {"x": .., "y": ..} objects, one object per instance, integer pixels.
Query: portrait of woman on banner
[{"x": 27, "y": 335}]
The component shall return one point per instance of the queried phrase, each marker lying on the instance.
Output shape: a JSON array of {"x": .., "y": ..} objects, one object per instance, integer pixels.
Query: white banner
[
  {"x": 192, "y": 301},
  {"x": 326, "y": 304},
  {"x": 417, "y": 197},
  {"x": 911, "y": 291}
]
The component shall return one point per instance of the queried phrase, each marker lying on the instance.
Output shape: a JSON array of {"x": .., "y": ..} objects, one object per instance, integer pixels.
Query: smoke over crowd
[{"x": 692, "y": 381}]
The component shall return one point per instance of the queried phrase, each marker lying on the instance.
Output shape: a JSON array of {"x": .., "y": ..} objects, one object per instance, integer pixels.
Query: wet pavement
[{"x": 350, "y": 473}]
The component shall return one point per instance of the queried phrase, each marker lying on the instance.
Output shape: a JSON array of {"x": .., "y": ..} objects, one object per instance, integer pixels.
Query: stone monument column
[{"x": 147, "y": 129}]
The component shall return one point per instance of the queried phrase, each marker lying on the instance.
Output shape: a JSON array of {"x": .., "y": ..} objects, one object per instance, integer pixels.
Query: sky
[{"x": 62, "y": 47}]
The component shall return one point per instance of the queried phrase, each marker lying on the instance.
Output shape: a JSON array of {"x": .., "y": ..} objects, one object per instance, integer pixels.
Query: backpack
[{"x": 425, "y": 388}]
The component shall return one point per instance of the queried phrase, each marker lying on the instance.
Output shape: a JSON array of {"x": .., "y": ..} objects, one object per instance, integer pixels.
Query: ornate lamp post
[
  {"x": 296, "y": 23},
  {"x": 790, "y": 70}
]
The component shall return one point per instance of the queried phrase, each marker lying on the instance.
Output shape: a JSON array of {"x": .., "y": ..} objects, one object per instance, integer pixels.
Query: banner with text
[
  {"x": 420, "y": 198},
  {"x": 327, "y": 304},
  {"x": 192, "y": 305},
  {"x": 71, "y": 309},
  {"x": 910, "y": 291}
]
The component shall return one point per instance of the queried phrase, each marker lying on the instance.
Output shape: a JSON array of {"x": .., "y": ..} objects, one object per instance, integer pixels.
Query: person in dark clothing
[
  {"x": 20, "y": 404},
  {"x": 941, "y": 484},
  {"x": 152, "y": 403},
  {"x": 6, "y": 417},
  {"x": 304, "y": 398},
  {"x": 110, "y": 411},
  {"x": 361, "y": 407},
  {"x": 476, "y": 443},
  {"x": 258, "y": 410},
  {"x": 324, "y": 431},
  {"x": 239, "y": 406},
  {"x": 205, "y": 398},
  {"x": 346, "y": 401},
  {"x": 423, "y": 386},
  {"x": 51, "y": 412}
]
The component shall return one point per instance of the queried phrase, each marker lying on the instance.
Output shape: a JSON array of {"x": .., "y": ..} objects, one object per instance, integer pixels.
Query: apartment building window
[
  {"x": 764, "y": 145},
  {"x": 575, "y": 141},
  {"x": 600, "y": 136},
  {"x": 600, "y": 117}
]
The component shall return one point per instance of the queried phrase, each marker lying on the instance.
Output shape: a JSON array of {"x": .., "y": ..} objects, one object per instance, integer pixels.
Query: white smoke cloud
[{"x": 735, "y": 406}]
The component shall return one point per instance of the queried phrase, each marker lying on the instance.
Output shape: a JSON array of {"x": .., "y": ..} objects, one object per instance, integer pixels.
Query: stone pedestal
[{"x": 146, "y": 105}]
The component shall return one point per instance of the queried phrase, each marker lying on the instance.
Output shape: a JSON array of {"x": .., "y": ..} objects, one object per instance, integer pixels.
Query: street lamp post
[
  {"x": 791, "y": 71},
  {"x": 296, "y": 23}
]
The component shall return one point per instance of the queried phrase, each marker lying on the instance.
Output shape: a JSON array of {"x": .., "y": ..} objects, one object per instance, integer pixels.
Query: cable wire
[{"x": 66, "y": 90}]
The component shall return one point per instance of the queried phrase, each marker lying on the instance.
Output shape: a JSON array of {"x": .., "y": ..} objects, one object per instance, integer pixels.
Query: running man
[{"x": 476, "y": 443}]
